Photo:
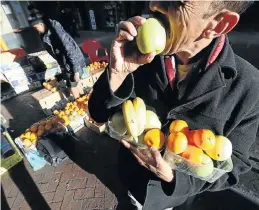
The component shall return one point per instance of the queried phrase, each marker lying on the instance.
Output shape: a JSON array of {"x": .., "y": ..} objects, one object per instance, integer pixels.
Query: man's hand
[
  {"x": 156, "y": 164},
  {"x": 76, "y": 77},
  {"x": 125, "y": 56},
  {"x": 75, "y": 92}
]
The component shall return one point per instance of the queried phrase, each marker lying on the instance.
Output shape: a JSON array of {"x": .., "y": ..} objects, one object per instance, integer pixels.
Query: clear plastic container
[{"x": 185, "y": 166}]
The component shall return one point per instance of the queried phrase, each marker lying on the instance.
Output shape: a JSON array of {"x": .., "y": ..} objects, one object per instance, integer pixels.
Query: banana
[
  {"x": 130, "y": 119},
  {"x": 140, "y": 109},
  {"x": 152, "y": 121}
]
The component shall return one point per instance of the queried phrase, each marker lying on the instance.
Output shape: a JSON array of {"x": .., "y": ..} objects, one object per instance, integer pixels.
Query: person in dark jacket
[
  {"x": 62, "y": 47},
  {"x": 198, "y": 78}
]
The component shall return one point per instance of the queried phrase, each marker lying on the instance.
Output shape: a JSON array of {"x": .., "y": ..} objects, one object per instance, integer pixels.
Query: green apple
[
  {"x": 206, "y": 167},
  {"x": 151, "y": 37},
  {"x": 118, "y": 124}
]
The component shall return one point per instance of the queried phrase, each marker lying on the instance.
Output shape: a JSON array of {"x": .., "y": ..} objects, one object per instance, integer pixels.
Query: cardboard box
[
  {"x": 50, "y": 101},
  {"x": 98, "y": 129}
]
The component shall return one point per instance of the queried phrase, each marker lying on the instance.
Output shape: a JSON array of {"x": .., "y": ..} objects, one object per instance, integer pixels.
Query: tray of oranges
[{"x": 199, "y": 153}]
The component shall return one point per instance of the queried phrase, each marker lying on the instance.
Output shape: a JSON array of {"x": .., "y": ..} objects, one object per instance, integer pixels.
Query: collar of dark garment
[{"x": 205, "y": 79}]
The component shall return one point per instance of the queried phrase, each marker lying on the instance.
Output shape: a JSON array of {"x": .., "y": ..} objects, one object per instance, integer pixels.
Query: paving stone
[
  {"x": 43, "y": 187},
  {"x": 76, "y": 205},
  {"x": 110, "y": 200},
  {"x": 76, "y": 184},
  {"x": 10, "y": 201},
  {"x": 68, "y": 198},
  {"x": 53, "y": 184},
  {"x": 64, "y": 167},
  {"x": 60, "y": 192},
  {"x": 93, "y": 203},
  {"x": 47, "y": 177},
  {"x": 99, "y": 190},
  {"x": 25, "y": 206},
  {"x": 84, "y": 193},
  {"x": 18, "y": 201},
  {"x": 56, "y": 206},
  {"x": 91, "y": 180},
  {"x": 48, "y": 196}
]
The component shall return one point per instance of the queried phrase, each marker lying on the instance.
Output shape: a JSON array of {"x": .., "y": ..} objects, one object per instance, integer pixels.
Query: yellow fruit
[
  {"x": 179, "y": 126},
  {"x": 222, "y": 149},
  {"x": 193, "y": 154},
  {"x": 140, "y": 109},
  {"x": 67, "y": 112},
  {"x": 66, "y": 122},
  {"x": 151, "y": 37},
  {"x": 22, "y": 136},
  {"x": 130, "y": 119},
  {"x": 76, "y": 109},
  {"x": 177, "y": 142},
  {"x": 34, "y": 137},
  {"x": 74, "y": 113},
  {"x": 204, "y": 139},
  {"x": 154, "y": 138},
  {"x": 28, "y": 135},
  {"x": 56, "y": 112},
  {"x": 27, "y": 143}
]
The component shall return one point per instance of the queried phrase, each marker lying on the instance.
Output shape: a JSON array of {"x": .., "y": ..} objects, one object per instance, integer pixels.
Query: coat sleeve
[
  {"x": 104, "y": 102},
  {"x": 69, "y": 46},
  {"x": 242, "y": 137}
]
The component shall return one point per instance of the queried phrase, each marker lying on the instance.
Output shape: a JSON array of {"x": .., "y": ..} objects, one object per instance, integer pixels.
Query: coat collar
[{"x": 206, "y": 80}]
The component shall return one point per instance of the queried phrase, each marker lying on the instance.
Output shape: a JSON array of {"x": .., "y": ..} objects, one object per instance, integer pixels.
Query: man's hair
[{"x": 235, "y": 6}]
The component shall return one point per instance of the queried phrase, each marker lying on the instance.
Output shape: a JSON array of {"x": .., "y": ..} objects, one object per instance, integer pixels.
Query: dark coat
[
  {"x": 223, "y": 97},
  {"x": 61, "y": 46}
]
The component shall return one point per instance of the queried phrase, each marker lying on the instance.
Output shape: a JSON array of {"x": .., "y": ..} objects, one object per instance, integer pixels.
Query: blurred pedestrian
[{"x": 62, "y": 47}]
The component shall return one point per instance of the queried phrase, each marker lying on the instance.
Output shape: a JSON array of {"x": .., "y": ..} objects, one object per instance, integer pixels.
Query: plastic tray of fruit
[{"x": 199, "y": 153}]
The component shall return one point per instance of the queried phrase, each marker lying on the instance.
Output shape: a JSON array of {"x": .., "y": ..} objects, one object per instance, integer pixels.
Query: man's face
[
  {"x": 184, "y": 23},
  {"x": 39, "y": 27}
]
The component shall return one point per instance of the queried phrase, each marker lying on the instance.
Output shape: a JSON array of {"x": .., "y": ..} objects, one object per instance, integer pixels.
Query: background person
[{"x": 62, "y": 47}]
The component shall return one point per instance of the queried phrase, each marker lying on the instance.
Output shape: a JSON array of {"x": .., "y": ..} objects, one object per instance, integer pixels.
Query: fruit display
[
  {"x": 137, "y": 125},
  {"x": 97, "y": 65},
  {"x": 51, "y": 85},
  {"x": 151, "y": 37},
  {"x": 199, "y": 152},
  {"x": 39, "y": 129}
]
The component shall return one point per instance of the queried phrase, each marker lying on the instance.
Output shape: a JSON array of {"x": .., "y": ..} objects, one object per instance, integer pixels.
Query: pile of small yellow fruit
[
  {"x": 72, "y": 109},
  {"x": 97, "y": 65},
  {"x": 32, "y": 134},
  {"x": 51, "y": 85}
]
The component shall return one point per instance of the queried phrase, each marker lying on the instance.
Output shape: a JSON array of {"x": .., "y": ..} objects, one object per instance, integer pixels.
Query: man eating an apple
[{"x": 196, "y": 77}]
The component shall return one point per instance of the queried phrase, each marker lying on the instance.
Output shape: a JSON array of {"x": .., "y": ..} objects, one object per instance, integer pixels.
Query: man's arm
[{"x": 104, "y": 101}]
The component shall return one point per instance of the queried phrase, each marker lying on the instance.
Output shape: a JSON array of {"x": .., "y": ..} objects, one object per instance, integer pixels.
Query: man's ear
[{"x": 222, "y": 24}]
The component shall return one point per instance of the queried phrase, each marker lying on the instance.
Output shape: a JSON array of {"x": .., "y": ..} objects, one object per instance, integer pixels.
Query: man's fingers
[
  {"x": 139, "y": 58},
  {"x": 124, "y": 35},
  {"x": 126, "y": 144},
  {"x": 127, "y": 26},
  {"x": 137, "y": 20},
  {"x": 156, "y": 156}
]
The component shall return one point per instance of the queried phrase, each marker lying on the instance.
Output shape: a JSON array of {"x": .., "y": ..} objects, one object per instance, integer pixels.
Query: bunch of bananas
[{"x": 137, "y": 119}]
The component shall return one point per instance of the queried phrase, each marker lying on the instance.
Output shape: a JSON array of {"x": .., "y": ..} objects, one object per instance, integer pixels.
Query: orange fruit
[
  {"x": 193, "y": 153},
  {"x": 34, "y": 128},
  {"x": 204, "y": 139},
  {"x": 41, "y": 127},
  {"x": 40, "y": 133},
  {"x": 179, "y": 126},
  {"x": 82, "y": 112},
  {"x": 34, "y": 137},
  {"x": 75, "y": 103},
  {"x": 190, "y": 137},
  {"x": 154, "y": 138},
  {"x": 177, "y": 142},
  {"x": 43, "y": 123},
  {"x": 27, "y": 142},
  {"x": 55, "y": 112},
  {"x": 48, "y": 127},
  {"x": 67, "y": 112}
]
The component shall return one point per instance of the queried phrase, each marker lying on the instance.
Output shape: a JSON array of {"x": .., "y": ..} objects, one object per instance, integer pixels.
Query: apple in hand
[
  {"x": 151, "y": 37},
  {"x": 206, "y": 167}
]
